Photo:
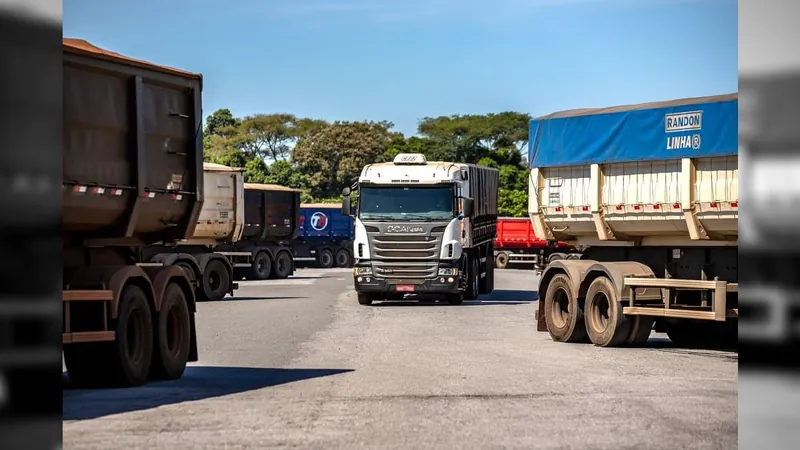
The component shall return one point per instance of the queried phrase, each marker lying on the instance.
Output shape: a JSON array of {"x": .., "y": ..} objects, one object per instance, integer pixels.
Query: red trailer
[{"x": 517, "y": 243}]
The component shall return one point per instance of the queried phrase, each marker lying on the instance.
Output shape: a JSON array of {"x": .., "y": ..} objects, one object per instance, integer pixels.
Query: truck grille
[{"x": 404, "y": 256}]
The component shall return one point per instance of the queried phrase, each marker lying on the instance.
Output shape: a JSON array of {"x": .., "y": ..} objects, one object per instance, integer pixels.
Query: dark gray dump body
[{"x": 133, "y": 158}]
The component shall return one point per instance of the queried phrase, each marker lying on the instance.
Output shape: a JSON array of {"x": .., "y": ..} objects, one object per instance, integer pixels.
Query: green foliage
[
  {"x": 333, "y": 156},
  {"x": 321, "y": 158},
  {"x": 512, "y": 203}
]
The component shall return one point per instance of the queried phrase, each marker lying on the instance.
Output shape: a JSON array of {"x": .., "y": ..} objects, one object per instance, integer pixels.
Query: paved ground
[{"x": 299, "y": 364}]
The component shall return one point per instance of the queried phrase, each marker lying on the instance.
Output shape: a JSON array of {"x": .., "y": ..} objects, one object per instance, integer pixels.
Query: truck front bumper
[{"x": 446, "y": 282}]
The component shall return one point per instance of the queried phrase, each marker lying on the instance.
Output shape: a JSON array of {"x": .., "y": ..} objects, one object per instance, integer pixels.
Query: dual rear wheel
[
  {"x": 147, "y": 344},
  {"x": 597, "y": 318}
]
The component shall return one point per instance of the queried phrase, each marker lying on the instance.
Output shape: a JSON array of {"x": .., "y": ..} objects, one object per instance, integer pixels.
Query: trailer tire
[
  {"x": 641, "y": 327},
  {"x": 562, "y": 311},
  {"x": 489, "y": 276},
  {"x": 501, "y": 260},
  {"x": 606, "y": 325},
  {"x": 261, "y": 267},
  {"x": 473, "y": 278},
  {"x": 325, "y": 258},
  {"x": 173, "y": 335},
  {"x": 343, "y": 258},
  {"x": 216, "y": 281},
  {"x": 364, "y": 298},
  {"x": 282, "y": 268},
  {"x": 486, "y": 284}
]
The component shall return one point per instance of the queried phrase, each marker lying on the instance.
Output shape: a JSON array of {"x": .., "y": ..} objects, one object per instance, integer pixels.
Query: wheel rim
[
  {"x": 600, "y": 310},
  {"x": 283, "y": 263},
  {"x": 326, "y": 259},
  {"x": 262, "y": 264},
  {"x": 341, "y": 258},
  {"x": 214, "y": 280},
  {"x": 134, "y": 335},
  {"x": 560, "y": 314}
]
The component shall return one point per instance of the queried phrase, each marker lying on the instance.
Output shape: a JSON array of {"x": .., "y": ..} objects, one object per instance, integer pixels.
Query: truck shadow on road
[
  {"x": 497, "y": 297},
  {"x": 197, "y": 383}
]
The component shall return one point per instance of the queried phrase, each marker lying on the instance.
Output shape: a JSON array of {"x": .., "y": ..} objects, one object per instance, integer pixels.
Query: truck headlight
[
  {"x": 362, "y": 271},
  {"x": 451, "y": 271}
]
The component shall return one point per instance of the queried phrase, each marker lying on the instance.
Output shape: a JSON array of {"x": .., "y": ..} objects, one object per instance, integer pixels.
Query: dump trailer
[
  {"x": 221, "y": 221},
  {"x": 650, "y": 192},
  {"x": 271, "y": 222},
  {"x": 768, "y": 137},
  {"x": 132, "y": 176},
  {"x": 423, "y": 228},
  {"x": 325, "y": 236},
  {"x": 516, "y": 243}
]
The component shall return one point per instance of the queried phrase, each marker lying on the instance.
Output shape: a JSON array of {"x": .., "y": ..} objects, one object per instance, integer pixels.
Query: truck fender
[
  {"x": 616, "y": 273},
  {"x": 206, "y": 258},
  {"x": 162, "y": 276},
  {"x": 267, "y": 249},
  {"x": 113, "y": 278},
  {"x": 169, "y": 259},
  {"x": 574, "y": 270}
]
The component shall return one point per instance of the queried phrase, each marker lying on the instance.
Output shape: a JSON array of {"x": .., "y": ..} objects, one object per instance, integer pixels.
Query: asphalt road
[{"x": 299, "y": 364}]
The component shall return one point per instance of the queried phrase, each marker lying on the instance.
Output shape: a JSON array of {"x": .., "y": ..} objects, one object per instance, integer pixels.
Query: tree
[
  {"x": 469, "y": 138},
  {"x": 284, "y": 174},
  {"x": 512, "y": 203},
  {"x": 272, "y": 136},
  {"x": 220, "y": 120},
  {"x": 504, "y": 130},
  {"x": 334, "y": 155}
]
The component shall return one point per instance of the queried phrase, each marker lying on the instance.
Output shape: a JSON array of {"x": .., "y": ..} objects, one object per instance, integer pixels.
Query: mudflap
[{"x": 541, "y": 323}]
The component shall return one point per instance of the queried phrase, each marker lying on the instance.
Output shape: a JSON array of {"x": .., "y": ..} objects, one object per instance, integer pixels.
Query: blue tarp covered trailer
[
  {"x": 692, "y": 127},
  {"x": 325, "y": 235}
]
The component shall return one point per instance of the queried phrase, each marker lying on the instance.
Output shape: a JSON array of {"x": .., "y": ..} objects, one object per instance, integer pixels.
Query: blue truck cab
[{"x": 325, "y": 236}]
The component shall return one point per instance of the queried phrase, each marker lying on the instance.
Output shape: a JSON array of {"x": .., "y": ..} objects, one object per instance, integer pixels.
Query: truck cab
[{"x": 415, "y": 229}]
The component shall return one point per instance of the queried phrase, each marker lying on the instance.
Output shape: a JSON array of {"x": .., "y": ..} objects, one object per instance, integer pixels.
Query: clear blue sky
[{"x": 404, "y": 60}]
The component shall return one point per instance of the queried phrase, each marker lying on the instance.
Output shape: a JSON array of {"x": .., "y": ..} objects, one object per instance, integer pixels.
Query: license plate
[{"x": 405, "y": 288}]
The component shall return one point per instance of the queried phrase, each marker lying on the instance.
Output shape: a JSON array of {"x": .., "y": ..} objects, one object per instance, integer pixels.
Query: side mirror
[
  {"x": 346, "y": 211},
  {"x": 467, "y": 206}
]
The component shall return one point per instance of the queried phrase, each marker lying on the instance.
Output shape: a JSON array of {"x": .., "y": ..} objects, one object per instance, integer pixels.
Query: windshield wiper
[
  {"x": 377, "y": 218},
  {"x": 419, "y": 217}
]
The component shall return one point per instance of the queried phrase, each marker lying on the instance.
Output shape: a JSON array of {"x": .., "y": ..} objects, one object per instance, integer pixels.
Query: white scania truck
[{"x": 423, "y": 227}]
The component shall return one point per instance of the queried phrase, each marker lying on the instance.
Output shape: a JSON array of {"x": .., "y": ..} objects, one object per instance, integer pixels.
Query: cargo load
[
  {"x": 650, "y": 194},
  {"x": 271, "y": 221},
  {"x": 220, "y": 221},
  {"x": 516, "y": 243},
  {"x": 271, "y": 212},
  {"x": 132, "y": 176},
  {"x": 325, "y": 236}
]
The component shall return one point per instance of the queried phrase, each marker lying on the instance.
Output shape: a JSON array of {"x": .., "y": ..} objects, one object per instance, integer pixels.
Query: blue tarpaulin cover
[{"x": 694, "y": 127}]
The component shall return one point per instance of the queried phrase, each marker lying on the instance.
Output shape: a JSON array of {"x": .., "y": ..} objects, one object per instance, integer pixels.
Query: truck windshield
[{"x": 406, "y": 203}]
